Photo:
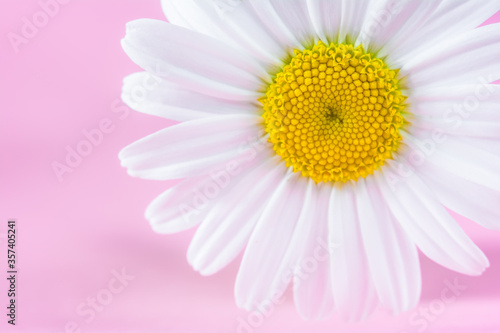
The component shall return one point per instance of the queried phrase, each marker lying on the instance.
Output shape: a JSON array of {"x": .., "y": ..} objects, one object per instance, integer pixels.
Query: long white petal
[
  {"x": 153, "y": 95},
  {"x": 353, "y": 290},
  {"x": 437, "y": 25},
  {"x": 179, "y": 208},
  {"x": 267, "y": 265},
  {"x": 428, "y": 224},
  {"x": 192, "y": 148},
  {"x": 463, "y": 60},
  {"x": 463, "y": 196},
  {"x": 234, "y": 22},
  {"x": 227, "y": 227},
  {"x": 393, "y": 23},
  {"x": 462, "y": 111},
  {"x": 460, "y": 158},
  {"x": 312, "y": 286},
  {"x": 392, "y": 256},
  {"x": 287, "y": 21},
  {"x": 176, "y": 16},
  {"x": 490, "y": 145},
  {"x": 326, "y": 18},
  {"x": 356, "y": 16},
  {"x": 193, "y": 60}
]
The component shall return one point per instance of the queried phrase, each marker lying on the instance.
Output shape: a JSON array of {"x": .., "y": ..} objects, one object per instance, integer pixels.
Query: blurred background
[{"x": 87, "y": 259}]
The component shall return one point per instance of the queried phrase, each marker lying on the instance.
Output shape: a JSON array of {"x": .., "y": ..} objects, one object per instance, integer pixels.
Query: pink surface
[{"x": 75, "y": 235}]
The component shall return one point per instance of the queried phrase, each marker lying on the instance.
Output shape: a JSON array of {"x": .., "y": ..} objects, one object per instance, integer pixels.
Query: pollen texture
[{"x": 334, "y": 112}]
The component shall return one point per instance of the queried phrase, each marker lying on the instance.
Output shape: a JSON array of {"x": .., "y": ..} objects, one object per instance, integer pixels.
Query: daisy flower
[{"x": 325, "y": 139}]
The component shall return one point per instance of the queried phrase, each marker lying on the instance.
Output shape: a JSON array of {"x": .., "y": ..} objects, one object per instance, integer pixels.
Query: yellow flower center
[{"x": 334, "y": 112}]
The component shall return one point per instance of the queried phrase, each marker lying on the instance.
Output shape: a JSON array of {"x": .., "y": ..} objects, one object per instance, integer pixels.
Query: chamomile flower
[{"x": 325, "y": 139}]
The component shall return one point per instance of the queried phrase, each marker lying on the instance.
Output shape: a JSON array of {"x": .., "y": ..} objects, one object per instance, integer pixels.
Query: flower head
[{"x": 325, "y": 139}]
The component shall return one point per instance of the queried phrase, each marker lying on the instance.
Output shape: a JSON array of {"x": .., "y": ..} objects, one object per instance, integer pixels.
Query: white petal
[
  {"x": 464, "y": 197},
  {"x": 153, "y": 95},
  {"x": 287, "y": 21},
  {"x": 326, "y": 18},
  {"x": 193, "y": 60},
  {"x": 459, "y": 158},
  {"x": 295, "y": 15},
  {"x": 392, "y": 256},
  {"x": 192, "y": 148},
  {"x": 179, "y": 208},
  {"x": 266, "y": 268},
  {"x": 353, "y": 289},
  {"x": 226, "y": 229},
  {"x": 463, "y": 60},
  {"x": 312, "y": 284},
  {"x": 174, "y": 15},
  {"x": 450, "y": 19},
  {"x": 470, "y": 110},
  {"x": 339, "y": 21},
  {"x": 394, "y": 23},
  {"x": 490, "y": 145},
  {"x": 188, "y": 14},
  {"x": 455, "y": 125},
  {"x": 428, "y": 224},
  {"x": 234, "y": 22},
  {"x": 356, "y": 18},
  {"x": 481, "y": 90}
]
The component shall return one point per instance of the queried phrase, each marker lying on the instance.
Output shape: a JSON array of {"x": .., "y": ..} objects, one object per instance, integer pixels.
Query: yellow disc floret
[{"x": 334, "y": 112}]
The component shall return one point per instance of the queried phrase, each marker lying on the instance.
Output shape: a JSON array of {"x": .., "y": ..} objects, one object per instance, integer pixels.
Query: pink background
[{"x": 73, "y": 234}]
